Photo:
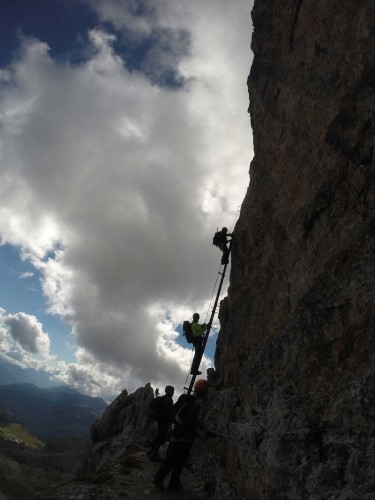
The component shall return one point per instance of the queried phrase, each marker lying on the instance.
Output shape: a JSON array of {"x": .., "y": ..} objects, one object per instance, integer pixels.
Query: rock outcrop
[
  {"x": 126, "y": 422},
  {"x": 295, "y": 355}
]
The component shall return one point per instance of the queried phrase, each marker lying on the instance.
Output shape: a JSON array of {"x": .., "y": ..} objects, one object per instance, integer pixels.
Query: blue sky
[
  {"x": 63, "y": 24},
  {"x": 20, "y": 290},
  {"x": 124, "y": 143}
]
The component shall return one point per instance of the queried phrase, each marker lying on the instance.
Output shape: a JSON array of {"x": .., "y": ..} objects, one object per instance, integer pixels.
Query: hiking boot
[
  {"x": 196, "y": 372},
  {"x": 159, "y": 484}
]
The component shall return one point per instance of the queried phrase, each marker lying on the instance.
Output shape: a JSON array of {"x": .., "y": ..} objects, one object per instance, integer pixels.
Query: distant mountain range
[{"x": 47, "y": 409}]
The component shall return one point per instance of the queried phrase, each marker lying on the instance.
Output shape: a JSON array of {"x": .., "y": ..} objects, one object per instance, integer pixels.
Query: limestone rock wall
[
  {"x": 296, "y": 344},
  {"x": 125, "y": 423}
]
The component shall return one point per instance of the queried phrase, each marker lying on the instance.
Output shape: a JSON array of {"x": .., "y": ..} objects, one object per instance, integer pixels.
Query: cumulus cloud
[
  {"x": 112, "y": 185},
  {"x": 26, "y": 330}
]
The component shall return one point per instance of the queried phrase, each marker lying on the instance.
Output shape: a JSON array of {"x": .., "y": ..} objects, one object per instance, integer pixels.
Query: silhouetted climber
[
  {"x": 188, "y": 425},
  {"x": 197, "y": 331},
  {"x": 220, "y": 240},
  {"x": 162, "y": 408}
]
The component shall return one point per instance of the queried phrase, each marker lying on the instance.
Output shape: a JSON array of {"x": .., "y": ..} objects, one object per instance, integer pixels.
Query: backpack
[
  {"x": 186, "y": 416},
  {"x": 186, "y": 327},
  {"x": 156, "y": 407},
  {"x": 218, "y": 238}
]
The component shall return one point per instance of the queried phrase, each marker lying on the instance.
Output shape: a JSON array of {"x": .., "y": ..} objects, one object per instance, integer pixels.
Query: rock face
[
  {"x": 126, "y": 422},
  {"x": 295, "y": 355}
]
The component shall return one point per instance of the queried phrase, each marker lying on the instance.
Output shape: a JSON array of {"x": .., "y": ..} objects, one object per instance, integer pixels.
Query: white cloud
[
  {"x": 26, "y": 330},
  {"x": 113, "y": 186},
  {"x": 26, "y": 275}
]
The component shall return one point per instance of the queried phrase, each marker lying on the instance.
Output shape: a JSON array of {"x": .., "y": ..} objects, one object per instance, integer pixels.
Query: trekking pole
[{"x": 190, "y": 389}]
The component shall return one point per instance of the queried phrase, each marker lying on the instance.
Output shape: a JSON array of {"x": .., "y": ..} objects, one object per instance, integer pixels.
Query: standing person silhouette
[{"x": 162, "y": 406}]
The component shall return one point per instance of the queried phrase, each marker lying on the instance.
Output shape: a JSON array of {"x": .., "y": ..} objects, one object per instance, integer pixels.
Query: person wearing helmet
[
  {"x": 163, "y": 410},
  {"x": 197, "y": 331},
  {"x": 201, "y": 386},
  {"x": 188, "y": 425},
  {"x": 221, "y": 240}
]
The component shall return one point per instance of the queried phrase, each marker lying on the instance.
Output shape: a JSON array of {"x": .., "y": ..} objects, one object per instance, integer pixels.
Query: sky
[{"x": 125, "y": 143}]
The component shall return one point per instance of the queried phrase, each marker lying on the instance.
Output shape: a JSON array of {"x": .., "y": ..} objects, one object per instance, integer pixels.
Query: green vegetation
[{"x": 18, "y": 434}]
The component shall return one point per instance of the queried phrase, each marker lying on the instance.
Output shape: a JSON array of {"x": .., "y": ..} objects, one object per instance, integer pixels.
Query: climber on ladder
[
  {"x": 197, "y": 331},
  {"x": 220, "y": 240}
]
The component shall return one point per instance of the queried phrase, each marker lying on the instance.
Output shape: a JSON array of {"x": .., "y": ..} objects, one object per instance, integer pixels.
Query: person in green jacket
[{"x": 197, "y": 330}]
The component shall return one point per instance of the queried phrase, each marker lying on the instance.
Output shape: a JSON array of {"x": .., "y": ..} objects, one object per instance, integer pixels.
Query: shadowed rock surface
[
  {"x": 27, "y": 474},
  {"x": 125, "y": 422},
  {"x": 295, "y": 354}
]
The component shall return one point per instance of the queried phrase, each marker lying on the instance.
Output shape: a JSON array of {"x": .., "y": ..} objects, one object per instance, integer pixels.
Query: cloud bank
[{"x": 115, "y": 174}]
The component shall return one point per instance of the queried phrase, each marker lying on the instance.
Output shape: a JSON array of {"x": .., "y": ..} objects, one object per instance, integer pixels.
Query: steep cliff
[{"x": 295, "y": 359}]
